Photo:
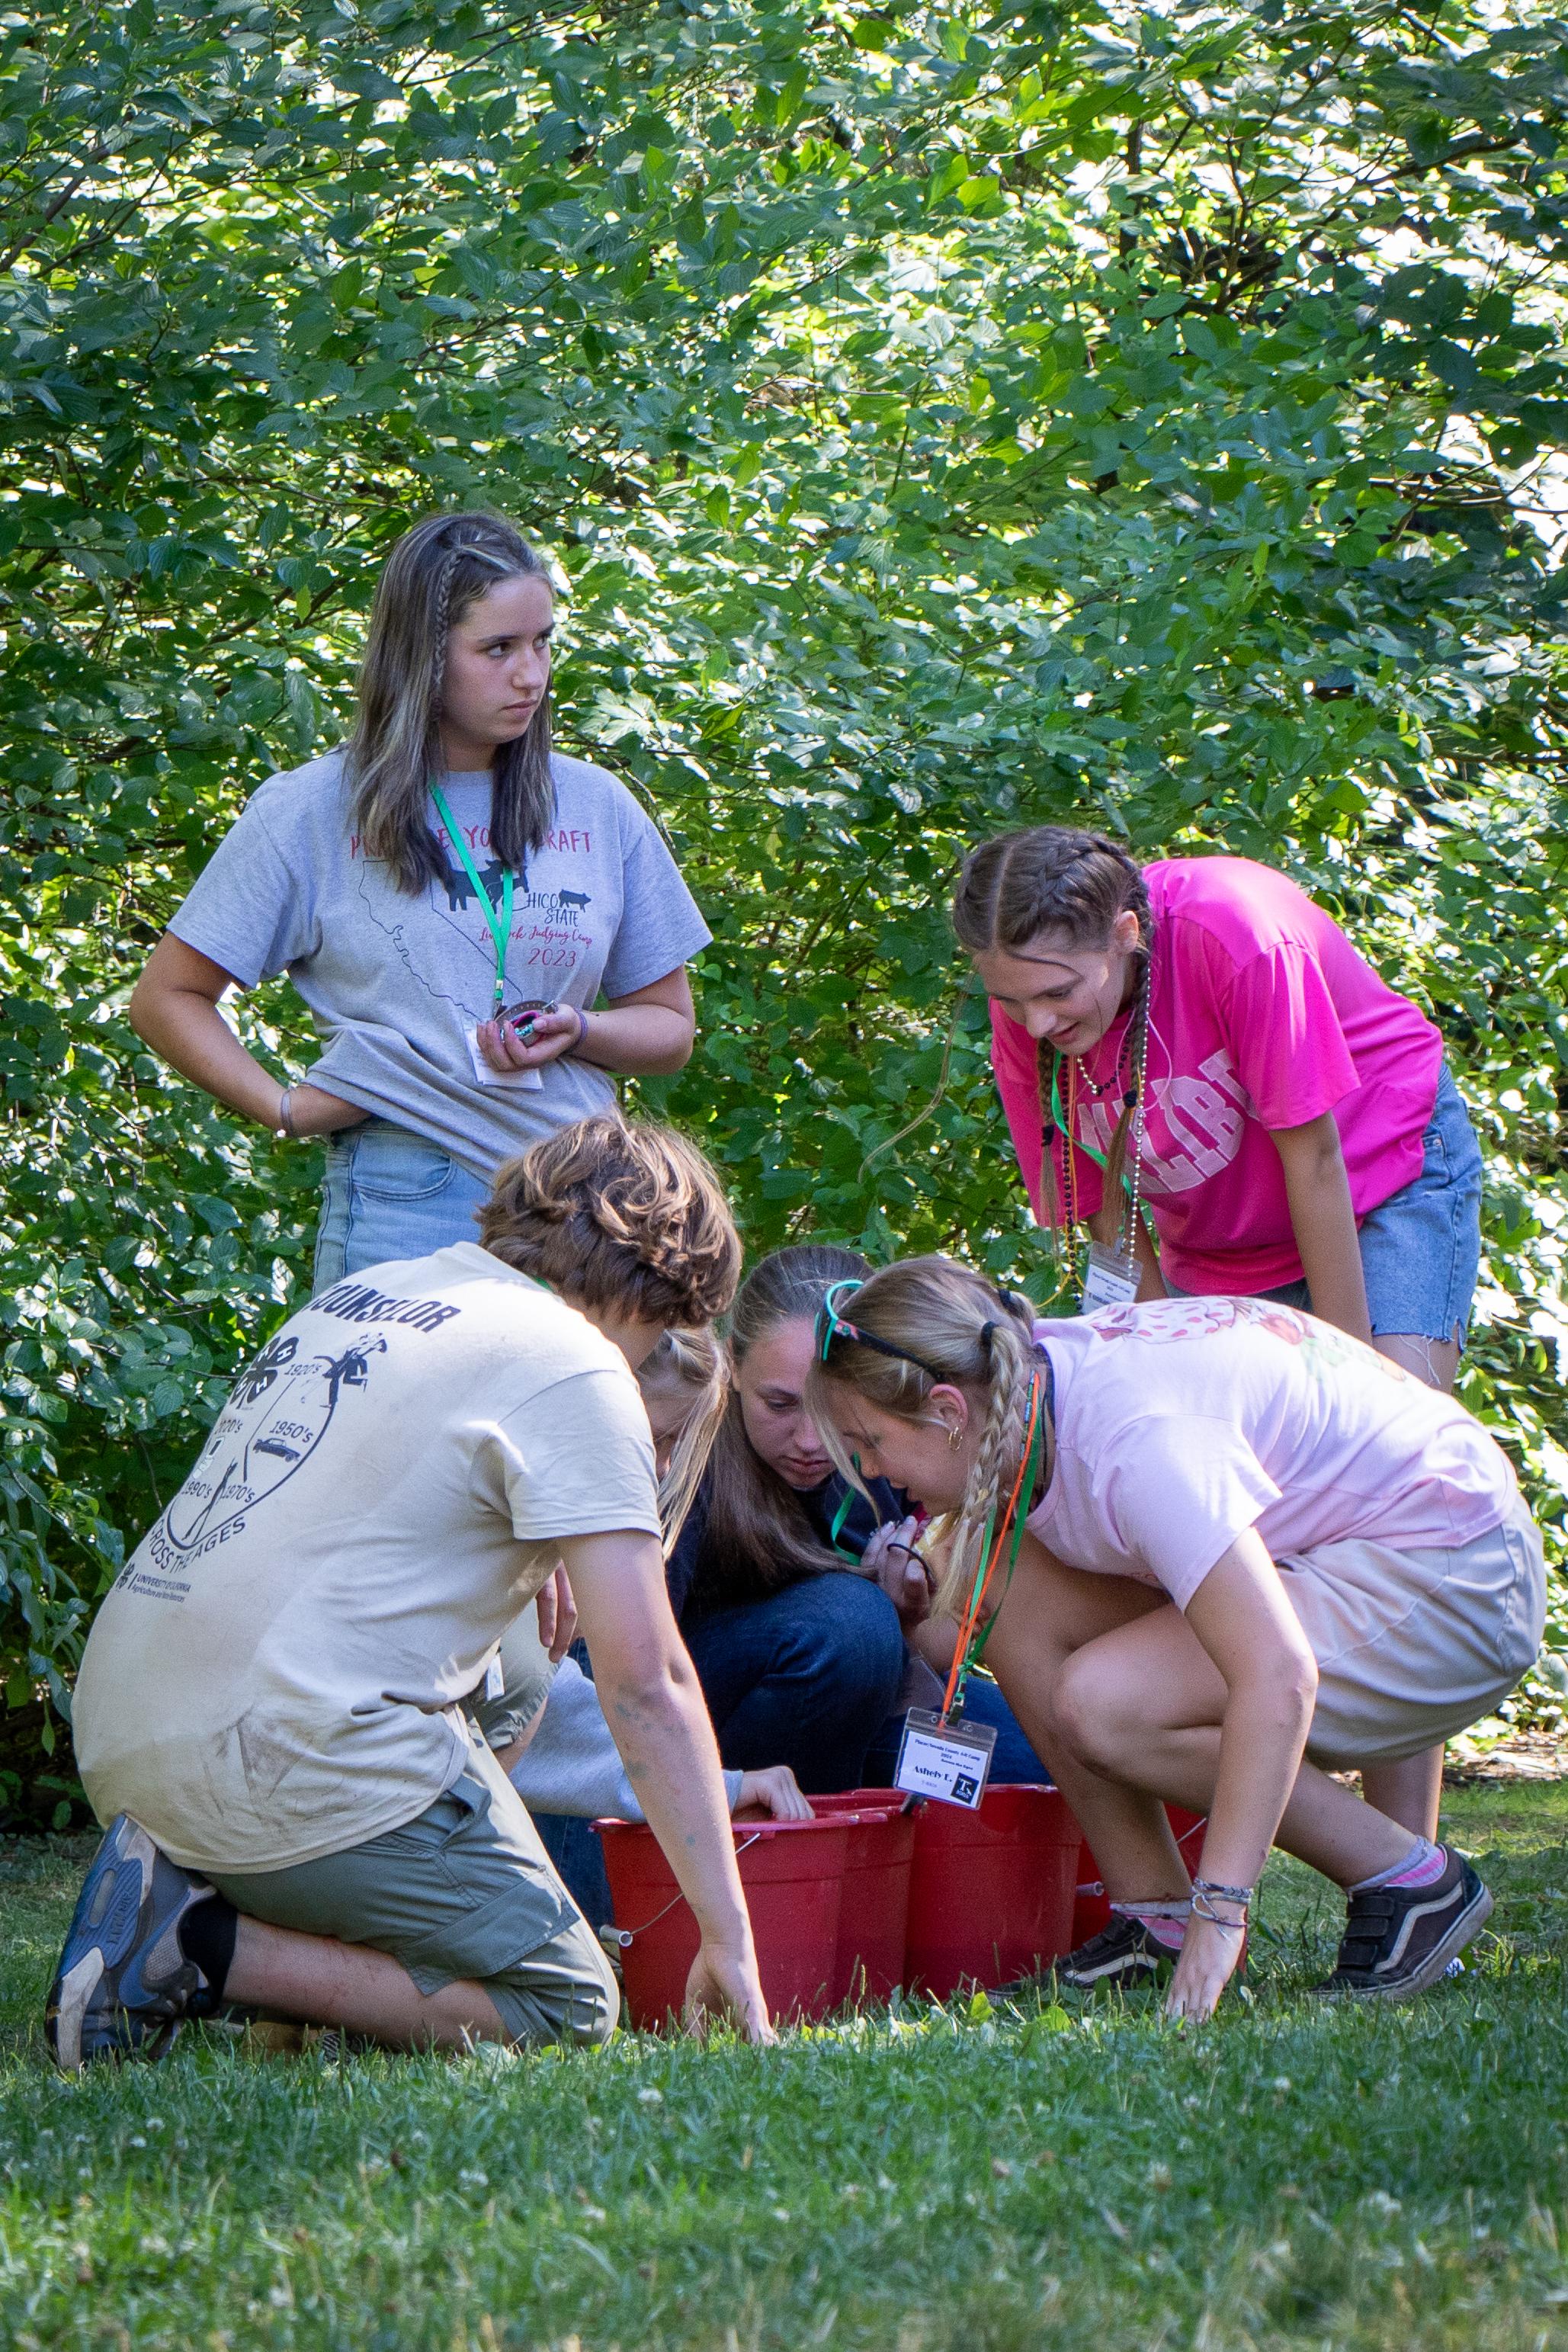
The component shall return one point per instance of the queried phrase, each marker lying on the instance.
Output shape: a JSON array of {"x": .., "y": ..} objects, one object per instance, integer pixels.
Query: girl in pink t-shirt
[
  {"x": 1252, "y": 1551},
  {"x": 1284, "y": 1116}
]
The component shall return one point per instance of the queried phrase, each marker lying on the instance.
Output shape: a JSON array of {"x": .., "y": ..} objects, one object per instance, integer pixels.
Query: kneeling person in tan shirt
[{"x": 268, "y": 1714}]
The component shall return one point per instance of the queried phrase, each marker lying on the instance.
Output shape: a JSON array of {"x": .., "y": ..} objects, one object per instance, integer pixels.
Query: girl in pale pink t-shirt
[
  {"x": 1295, "y": 1131},
  {"x": 1253, "y": 1550}
]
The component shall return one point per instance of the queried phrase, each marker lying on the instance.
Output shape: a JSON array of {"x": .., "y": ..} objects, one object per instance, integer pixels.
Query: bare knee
[{"x": 1086, "y": 1716}]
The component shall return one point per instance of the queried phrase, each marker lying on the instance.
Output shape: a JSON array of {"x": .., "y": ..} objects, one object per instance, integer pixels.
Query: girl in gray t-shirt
[{"x": 428, "y": 890}]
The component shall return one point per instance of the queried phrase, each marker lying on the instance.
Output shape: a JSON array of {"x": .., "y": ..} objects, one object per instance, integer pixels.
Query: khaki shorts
[
  {"x": 465, "y": 1891},
  {"x": 1413, "y": 1647},
  {"x": 526, "y": 1674}
]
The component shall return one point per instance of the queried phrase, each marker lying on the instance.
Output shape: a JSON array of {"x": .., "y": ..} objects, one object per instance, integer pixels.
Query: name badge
[
  {"x": 516, "y": 1079},
  {"x": 949, "y": 1761},
  {"x": 1110, "y": 1278}
]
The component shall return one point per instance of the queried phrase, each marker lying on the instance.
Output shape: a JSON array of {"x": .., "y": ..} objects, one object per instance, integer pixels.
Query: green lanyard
[
  {"x": 1074, "y": 1142},
  {"x": 500, "y": 924},
  {"x": 840, "y": 1516}
]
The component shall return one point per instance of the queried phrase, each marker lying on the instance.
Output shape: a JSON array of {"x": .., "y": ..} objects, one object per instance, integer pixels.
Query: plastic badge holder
[
  {"x": 1110, "y": 1278},
  {"x": 949, "y": 1761}
]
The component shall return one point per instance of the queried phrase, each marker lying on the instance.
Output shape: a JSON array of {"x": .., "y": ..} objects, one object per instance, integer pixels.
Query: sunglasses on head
[{"x": 831, "y": 1326}]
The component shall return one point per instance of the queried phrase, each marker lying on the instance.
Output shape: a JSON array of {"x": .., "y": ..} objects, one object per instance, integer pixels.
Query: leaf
[{"x": 911, "y": 484}]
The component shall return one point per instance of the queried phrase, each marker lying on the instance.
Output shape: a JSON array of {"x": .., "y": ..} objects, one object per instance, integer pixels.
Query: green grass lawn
[{"x": 935, "y": 2179}]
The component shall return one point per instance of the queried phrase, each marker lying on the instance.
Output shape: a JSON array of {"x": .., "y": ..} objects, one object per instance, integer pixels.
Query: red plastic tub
[
  {"x": 991, "y": 1892},
  {"x": 793, "y": 1874},
  {"x": 873, "y": 1916},
  {"x": 1092, "y": 1909}
]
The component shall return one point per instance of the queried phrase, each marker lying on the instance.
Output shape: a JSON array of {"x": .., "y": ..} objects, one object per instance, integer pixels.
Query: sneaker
[
  {"x": 1123, "y": 1955},
  {"x": 1400, "y": 1940},
  {"x": 123, "y": 1984}
]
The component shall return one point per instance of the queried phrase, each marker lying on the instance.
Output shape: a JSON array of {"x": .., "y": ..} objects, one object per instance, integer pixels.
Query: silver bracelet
[{"x": 286, "y": 1126}]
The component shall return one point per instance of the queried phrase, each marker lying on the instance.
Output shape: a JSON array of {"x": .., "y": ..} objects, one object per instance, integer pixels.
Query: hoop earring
[{"x": 954, "y": 1435}]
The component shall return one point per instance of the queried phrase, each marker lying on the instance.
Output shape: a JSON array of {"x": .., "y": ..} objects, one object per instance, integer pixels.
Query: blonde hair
[
  {"x": 965, "y": 1335},
  {"x": 695, "y": 1364},
  {"x": 624, "y": 1216}
]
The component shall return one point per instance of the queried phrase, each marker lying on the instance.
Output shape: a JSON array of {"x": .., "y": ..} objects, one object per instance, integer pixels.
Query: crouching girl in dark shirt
[{"x": 806, "y": 1612}]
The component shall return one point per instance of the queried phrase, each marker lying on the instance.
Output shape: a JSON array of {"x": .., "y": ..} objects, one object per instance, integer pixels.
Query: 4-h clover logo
[{"x": 259, "y": 1376}]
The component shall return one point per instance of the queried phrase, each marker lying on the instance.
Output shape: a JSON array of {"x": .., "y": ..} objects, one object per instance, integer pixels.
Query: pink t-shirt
[
  {"x": 1261, "y": 1014},
  {"x": 1183, "y": 1422}
]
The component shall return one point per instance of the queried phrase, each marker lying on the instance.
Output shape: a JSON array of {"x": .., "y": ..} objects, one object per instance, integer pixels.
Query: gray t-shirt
[{"x": 397, "y": 985}]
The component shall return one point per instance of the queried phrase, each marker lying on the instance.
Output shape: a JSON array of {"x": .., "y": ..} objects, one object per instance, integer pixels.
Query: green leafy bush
[{"x": 940, "y": 419}]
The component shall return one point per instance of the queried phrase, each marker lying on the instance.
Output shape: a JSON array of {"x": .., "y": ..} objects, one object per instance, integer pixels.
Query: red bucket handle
[{"x": 616, "y": 1939}]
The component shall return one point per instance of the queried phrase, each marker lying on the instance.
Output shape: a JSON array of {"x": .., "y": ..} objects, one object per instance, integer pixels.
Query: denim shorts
[
  {"x": 388, "y": 1194},
  {"x": 1421, "y": 1248}
]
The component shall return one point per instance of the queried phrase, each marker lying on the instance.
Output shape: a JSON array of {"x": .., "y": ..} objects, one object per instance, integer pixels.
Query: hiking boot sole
[{"x": 101, "y": 1937}]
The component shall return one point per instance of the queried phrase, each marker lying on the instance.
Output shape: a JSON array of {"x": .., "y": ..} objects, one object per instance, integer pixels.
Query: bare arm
[
  {"x": 648, "y": 1034},
  {"x": 174, "y": 1008},
  {"x": 1323, "y": 1223},
  {"x": 1244, "y": 1621},
  {"x": 655, "y": 1709}
]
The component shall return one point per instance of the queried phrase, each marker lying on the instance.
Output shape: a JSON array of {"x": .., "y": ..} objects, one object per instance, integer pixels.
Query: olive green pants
[{"x": 465, "y": 1891}]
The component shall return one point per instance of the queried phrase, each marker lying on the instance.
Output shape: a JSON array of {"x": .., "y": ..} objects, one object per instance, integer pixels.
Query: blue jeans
[
  {"x": 1421, "y": 1248},
  {"x": 803, "y": 1678},
  {"x": 388, "y": 1194},
  {"x": 1013, "y": 1761}
]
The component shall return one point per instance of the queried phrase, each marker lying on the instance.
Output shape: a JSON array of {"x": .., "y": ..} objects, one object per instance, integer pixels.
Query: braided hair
[
  {"x": 965, "y": 1334},
  {"x": 1054, "y": 883},
  {"x": 432, "y": 576},
  {"x": 1049, "y": 881}
]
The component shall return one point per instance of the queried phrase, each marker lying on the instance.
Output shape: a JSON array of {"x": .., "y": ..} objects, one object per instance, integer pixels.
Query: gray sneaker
[
  {"x": 123, "y": 1984},
  {"x": 1400, "y": 1940}
]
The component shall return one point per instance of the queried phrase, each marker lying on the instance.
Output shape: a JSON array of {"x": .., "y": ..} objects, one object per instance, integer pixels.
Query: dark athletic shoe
[
  {"x": 1122, "y": 1956},
  {"x": 123, "y": 1984},
  {"x": 1400, "y": 1940}
]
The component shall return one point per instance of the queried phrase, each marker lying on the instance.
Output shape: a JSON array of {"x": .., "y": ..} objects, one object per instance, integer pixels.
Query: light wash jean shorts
[
  {"x": 1421, "y": 1248},
  {"x": 388, "y": 1194},
  {"x": 1413, "y": 1646}
]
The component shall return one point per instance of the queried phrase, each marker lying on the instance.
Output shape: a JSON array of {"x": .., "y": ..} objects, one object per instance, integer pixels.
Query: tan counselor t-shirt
[{"x": 274, "y": 1676}]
